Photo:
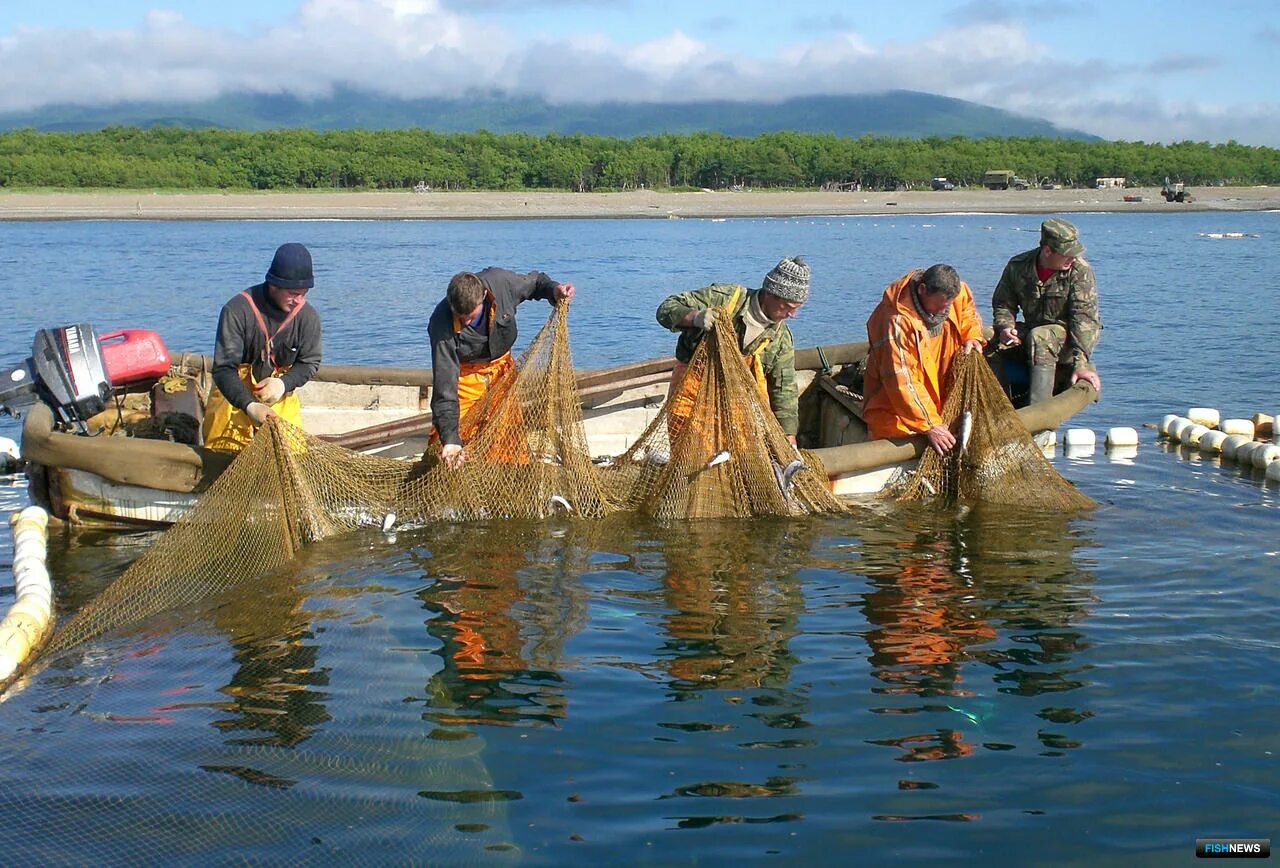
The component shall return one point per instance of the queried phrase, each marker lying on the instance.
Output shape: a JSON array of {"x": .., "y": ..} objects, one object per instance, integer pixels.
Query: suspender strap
[{"x": 268, "y": 351}]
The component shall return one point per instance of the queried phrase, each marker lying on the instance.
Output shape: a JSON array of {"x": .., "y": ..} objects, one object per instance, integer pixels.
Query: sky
[{"x": 1121, "y": 69}]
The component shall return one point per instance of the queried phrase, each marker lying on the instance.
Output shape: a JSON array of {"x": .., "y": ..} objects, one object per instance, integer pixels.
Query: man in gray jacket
[{"x": 472, "y": 331}]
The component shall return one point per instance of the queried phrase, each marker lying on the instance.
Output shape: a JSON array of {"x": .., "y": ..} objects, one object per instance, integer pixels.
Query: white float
[
  {"x": 1192, "y": 433},
  {"x": 10, "y": 457},
  {"x": 1265, "y": 454},
  {"x": 1117, "y": 437},
  {"x": 1206, "y": 416},
  {"x": 1176, "y": 426},
  {"x": 1244, "y": 453},
  {"x": 1273, "y": 471},
  {"x": 1211, "y": 443},
  {"x": 1079, "y": 437},
  {"x": 1163, "y": 427},
  {"x": 1243, "y": 427},
  {"x": 27, "y": 622},
  {"x": 1233, "y": 443}
]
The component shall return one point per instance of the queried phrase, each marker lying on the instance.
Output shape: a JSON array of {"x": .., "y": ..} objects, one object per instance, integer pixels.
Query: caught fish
[
  {"x": 966, "y": 429},
  {"x": 388, "y": 521},
  {"x": 784, "y": 475},
  {"x": 557, "y": 500},
  {"x": 717, "y": 459},
  {"x": 928, "y": 486}
]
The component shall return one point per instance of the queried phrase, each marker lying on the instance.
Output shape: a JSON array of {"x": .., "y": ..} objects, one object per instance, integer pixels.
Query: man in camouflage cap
[
  {"x": 1053, "y": 287},
  {"x": 759, "y": 317}
]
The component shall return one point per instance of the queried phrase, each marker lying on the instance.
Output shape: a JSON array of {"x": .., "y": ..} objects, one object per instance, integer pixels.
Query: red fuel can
[{"x": 133, "y": 356}]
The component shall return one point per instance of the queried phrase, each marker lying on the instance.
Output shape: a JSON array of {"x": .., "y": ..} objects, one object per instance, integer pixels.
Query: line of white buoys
[
  {"x": 1120, "y": 437},
  {"x": 1251, "y": 442},
  {"x": 29, "y": 618}
]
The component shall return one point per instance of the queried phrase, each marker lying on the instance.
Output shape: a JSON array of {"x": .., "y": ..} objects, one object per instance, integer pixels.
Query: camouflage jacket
[
  {"x": 778, "y": 358},
  {"x": 1068, "y": 299}
]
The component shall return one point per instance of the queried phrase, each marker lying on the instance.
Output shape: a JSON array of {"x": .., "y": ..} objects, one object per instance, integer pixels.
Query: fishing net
[
  {"x": 528, "y": 459},
  {"x": 995, "y": 459},
  {"x": 716, "y": 451}
]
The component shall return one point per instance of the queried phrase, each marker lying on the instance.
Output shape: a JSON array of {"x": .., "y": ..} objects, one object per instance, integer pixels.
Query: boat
[{"x": 134, "y": 482}]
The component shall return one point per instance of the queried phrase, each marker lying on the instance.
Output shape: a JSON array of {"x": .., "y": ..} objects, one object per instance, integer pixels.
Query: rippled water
[{"x": 897, "y": 683}]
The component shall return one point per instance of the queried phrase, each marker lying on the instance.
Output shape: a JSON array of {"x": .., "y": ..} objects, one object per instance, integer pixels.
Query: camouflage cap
[{"x": 1062, "y": 237}]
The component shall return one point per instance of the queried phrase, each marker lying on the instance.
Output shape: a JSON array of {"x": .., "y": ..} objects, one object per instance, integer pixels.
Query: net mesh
[
  {"x": 995, "y": 459},
  {"x": 723, "y": 456},
  {"x": 715, "y": 449}
]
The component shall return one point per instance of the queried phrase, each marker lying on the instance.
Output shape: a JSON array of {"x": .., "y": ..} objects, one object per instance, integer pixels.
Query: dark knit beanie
[{"x": 291, "y": 268}]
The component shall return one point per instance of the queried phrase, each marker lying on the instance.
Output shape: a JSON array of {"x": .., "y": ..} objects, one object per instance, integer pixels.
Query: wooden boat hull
[{"x": 136, "y": 483}]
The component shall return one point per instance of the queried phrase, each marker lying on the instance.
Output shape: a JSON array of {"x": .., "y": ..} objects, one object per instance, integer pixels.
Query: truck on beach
[{"x": 1003, "y": 179}]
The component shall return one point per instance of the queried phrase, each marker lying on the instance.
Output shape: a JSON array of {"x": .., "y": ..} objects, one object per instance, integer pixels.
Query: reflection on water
[
  {"x": 959, "y": 597},
  {"x": 502, "y": 603},
  {"x": 733, "y": 602},
  {"x": 275, "y": 696}
]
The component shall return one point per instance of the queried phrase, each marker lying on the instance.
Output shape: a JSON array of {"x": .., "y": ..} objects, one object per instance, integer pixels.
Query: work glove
[
  {"x": 704, "y": 319},
  {"x": 259, "y": 412},
  {"x": 269, "y": 391}
]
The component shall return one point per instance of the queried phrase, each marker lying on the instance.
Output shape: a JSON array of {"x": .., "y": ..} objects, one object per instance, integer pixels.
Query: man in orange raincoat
[
  {"x": 923, "y": 321},
  {"x": 472, "y": 331}
]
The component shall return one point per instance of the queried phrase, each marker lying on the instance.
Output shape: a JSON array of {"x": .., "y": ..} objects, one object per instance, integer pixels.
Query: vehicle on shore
[{"x": 120, "y": 481}]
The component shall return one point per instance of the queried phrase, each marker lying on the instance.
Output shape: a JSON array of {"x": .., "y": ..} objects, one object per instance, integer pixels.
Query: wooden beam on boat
[{"x": 859, "y": 457}]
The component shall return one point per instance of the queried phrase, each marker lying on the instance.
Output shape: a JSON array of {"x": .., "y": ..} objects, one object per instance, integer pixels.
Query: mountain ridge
[{"x": 893, "y": 114}]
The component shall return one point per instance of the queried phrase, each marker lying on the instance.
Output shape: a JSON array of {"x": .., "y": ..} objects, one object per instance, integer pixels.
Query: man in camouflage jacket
[
  {"x": 1055, "y": 291},
  {"x": 760, "y": 321}
]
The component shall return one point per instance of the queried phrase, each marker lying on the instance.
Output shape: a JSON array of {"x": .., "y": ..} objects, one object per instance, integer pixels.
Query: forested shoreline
[{"x": 172, "y": 158}]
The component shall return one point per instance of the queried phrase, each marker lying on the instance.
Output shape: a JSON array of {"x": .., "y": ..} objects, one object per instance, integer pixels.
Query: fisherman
[
  {"x": 268, "y": 345},
  {"x": 472, "y": 331},
  {"x": 923, "y": 321},
  {"x": 1055, "y": 291},
  {"x": 759, "y": 319}
]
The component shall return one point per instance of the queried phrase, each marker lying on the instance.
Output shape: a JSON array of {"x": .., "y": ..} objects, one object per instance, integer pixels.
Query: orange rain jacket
[{"x": 908, "y": 368}]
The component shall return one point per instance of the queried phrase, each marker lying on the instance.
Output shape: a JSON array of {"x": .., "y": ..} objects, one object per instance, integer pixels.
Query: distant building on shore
[{"x": 1109, "y": 183}]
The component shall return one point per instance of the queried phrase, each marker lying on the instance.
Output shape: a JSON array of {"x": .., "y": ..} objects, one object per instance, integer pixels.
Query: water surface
[{"x": 896, "y": 683}]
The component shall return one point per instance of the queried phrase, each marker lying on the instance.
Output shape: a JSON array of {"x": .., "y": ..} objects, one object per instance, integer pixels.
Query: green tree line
[{"x": 172, "y": 158}]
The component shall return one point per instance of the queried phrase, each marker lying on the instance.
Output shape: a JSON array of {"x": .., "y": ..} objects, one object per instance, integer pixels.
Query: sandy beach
[{"x": 390, "y": 205}]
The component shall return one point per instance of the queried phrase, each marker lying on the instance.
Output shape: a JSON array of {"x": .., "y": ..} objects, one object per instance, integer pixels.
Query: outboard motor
[{"x": 73, "y": 370}]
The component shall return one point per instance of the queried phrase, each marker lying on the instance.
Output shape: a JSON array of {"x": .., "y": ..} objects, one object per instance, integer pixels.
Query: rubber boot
[{"x": 1041, "y": 383}]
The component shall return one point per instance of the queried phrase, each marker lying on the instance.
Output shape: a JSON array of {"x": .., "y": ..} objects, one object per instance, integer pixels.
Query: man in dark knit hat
[
  {"x": 759, "y": 318},
  {"x": 268, "y": 345},
  {"x": 1054, "y": 289}
]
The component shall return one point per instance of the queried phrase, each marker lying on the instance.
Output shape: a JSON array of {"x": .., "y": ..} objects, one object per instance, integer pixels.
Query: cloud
[
  {"x": 999, "y": 12},
  {"x": 426, "y": 48},
  {"x": 1148, "y": 120},
  {"x": 1177, "y": 63}
]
